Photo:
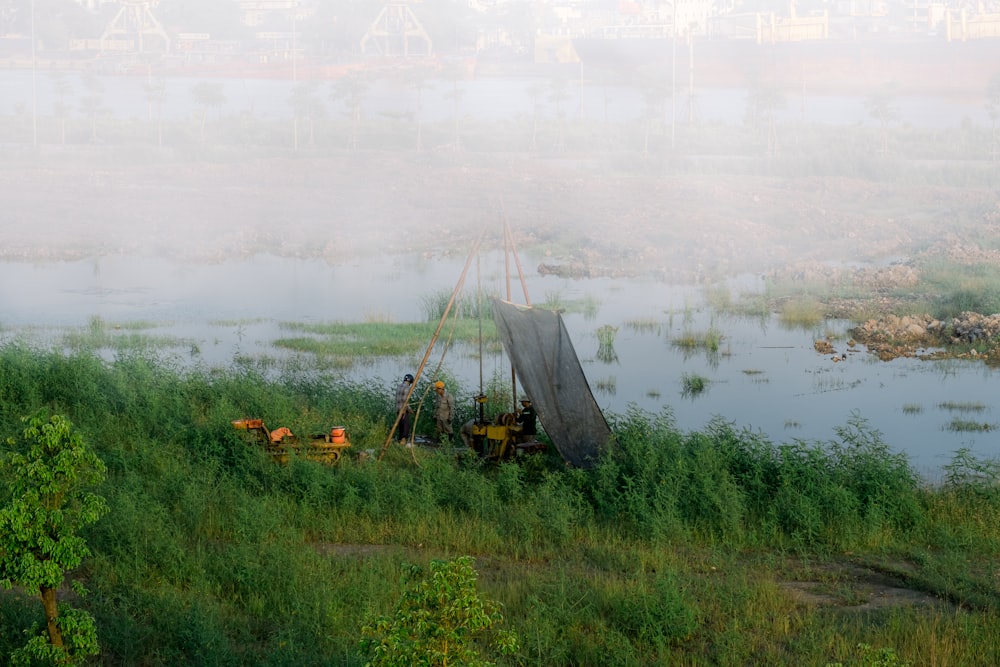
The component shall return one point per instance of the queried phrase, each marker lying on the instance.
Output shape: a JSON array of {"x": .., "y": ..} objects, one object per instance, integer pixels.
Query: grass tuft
[{"x": 693, "y": 384}]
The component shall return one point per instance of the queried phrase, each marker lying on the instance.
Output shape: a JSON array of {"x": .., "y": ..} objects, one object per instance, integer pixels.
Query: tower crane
[
  {"x": 135, "y": 19},
  {"x": 396, "y": 31}
]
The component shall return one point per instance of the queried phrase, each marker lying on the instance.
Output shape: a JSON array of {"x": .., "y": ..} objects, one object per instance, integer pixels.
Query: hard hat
[
  {"x": 407, "y": 378},
  {"x": 525, "y": 399},
  {"x": 439, "y": 385}
]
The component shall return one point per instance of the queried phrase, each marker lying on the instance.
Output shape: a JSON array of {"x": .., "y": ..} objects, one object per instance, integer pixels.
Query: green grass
[
  {"x": 128, "y": 336},
  {"x": 962, "y": 406},
  {"x": 944, "y": 289},
  {"x": 691, "y": 340},
  {"x": 676, "y": 548},
  {"x": 693, "y": 384},
  {"x": 719, "y": 299},
  {"x": 369, "y": 340},
  {"x": 969, "y": 426},
  {"x": 606, "y": 335},
  {"x": 588, "y": 305},
  {"x": 643, "y": 325},
  {"x": 802, "y": 313},
  {"x": 606, "y": 343},
  {"x": 237, "y": 323},
  {"x": 607, "y": 385},
  {"x": 466, "y": 305},
  {"x": 961, "y": 287}
]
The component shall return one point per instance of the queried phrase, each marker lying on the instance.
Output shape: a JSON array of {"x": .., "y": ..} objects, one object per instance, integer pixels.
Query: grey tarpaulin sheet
[{"x": 547, "y": 367}]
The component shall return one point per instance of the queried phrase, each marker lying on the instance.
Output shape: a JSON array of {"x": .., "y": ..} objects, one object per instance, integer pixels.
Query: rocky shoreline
[{"x": 968, "y": 335}]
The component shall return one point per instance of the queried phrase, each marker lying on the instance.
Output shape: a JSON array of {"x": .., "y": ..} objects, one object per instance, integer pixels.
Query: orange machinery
[{"x": 281, "y": 443}]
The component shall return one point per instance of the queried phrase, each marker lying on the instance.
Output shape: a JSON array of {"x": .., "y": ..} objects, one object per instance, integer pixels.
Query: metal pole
[
  {"x": 691, "y": 74},
  {"x": 34, "y": 82},
  {"x": 673, "y": 83},
  {"x": 437, "y": 332},
  {"x": 509, "y": 236}
]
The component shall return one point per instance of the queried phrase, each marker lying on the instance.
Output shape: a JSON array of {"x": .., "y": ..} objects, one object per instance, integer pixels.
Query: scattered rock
[
  {"x": 824, "y": 347},
  {"x": 891, "y": 336}
]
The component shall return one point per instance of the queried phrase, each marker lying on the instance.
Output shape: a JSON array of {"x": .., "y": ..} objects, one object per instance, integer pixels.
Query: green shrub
[
  {"x": 438, "y": 621},
  {"x": 659, "y": 615}
]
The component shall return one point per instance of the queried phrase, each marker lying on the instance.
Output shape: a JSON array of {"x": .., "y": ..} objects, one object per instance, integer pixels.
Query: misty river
[
  {"x": 489, "y": 100},
  {"x": 763, "y": 376}
]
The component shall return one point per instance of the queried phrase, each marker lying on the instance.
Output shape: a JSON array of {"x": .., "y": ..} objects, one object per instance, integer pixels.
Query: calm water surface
[
  {"x": 763, "y": 377},
  {"x": 495, "y": 99}
]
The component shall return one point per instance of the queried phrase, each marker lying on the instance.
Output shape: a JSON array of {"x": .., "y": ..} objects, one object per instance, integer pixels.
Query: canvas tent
[{"x": 547, "y": 367}]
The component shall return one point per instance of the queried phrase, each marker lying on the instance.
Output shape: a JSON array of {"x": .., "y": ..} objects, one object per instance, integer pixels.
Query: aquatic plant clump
[
  {"x": 708, "y": 340},
  {"x": 693, "y": 384},
  {"x": 606, "y": 343},
  {"x": 970, "y": 426}
]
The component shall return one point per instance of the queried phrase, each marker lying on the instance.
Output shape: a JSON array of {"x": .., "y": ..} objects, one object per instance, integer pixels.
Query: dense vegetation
[{"x": 678, "y": 548}]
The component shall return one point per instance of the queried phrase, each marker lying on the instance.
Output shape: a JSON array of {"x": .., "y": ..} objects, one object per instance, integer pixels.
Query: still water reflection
[{"x": 762, "y": 376}]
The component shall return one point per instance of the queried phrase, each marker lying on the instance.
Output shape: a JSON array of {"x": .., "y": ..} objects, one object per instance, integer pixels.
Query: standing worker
[
  {"x": 527, "y": 418},
  {"x": 444, "y": 412},
  {"x": 402, "y": 393}
]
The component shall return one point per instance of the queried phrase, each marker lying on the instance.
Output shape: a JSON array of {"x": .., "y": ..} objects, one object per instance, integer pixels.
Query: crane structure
[
  {"x": 135, "y": 20},
  {"x": 396, "y": 31}
]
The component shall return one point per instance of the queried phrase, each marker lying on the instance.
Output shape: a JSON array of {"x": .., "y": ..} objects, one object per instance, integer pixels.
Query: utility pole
[
  {"x": 673, "y": 82},
  {"x": 295, "y": 53},
  {"x": 691, "y": 73},
  {"x": 34, "y": 81}
]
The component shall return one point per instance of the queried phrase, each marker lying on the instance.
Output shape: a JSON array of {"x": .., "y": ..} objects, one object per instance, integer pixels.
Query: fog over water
[{"x": 218, "y": 208}]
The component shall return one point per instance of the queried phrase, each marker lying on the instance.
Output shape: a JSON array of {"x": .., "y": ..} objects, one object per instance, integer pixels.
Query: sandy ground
[{"x": 685, "y": 229}]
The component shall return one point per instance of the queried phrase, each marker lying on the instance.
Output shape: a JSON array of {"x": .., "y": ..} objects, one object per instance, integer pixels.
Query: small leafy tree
[
  {"x": 61, "y": 87},
  {"x": 763, "y": 101},
  {"x": 306, "y": 106},
  {"x": 655, "y": 93},
  {"x": 455, "y": 75},
  {"x": 92, "y": 104},
  {"x": 351, "y": 90},
  {"x": 559, "y": 95},
  {"x": 46, "y": 506},
  {"x": 882, "y": 107},
  {"x": 437, "y": 621},
  {"x": 208, "y": 94}
]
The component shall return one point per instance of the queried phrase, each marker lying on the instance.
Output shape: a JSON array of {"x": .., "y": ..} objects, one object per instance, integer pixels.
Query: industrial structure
[{"x": 310, "y": 39}]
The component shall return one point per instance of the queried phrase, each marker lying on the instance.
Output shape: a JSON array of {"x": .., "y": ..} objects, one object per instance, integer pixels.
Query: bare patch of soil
[{"x": 846, "y": 586}]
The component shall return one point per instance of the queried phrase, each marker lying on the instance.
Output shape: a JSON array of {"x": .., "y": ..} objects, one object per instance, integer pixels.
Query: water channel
[
  {"x": 488, "y": 99},
  {"x": 763, "y": 376}
]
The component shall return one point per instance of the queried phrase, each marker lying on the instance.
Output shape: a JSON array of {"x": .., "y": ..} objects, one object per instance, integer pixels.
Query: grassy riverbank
[{"x": 706, "y": 548}]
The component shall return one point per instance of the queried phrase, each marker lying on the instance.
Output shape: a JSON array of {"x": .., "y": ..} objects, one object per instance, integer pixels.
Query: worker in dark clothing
[
  {"x": 527, "y": 418},
  {"x": 402, "y": 393}
]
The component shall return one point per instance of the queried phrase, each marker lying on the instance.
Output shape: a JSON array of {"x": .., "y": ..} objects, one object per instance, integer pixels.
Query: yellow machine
[
  {"x": 500, "y": 439},
  {"x": 281, "y": 443}
]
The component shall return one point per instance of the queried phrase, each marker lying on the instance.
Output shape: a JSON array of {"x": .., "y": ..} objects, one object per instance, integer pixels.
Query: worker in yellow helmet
[{"x": 444, "y": 412}]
